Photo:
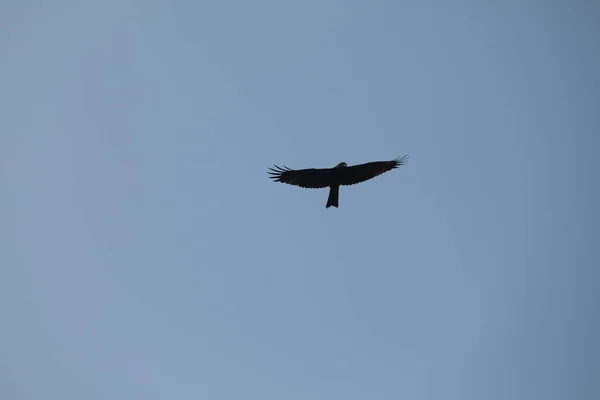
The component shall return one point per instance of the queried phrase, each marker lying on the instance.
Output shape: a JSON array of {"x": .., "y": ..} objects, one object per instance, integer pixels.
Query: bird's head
[{"x": 342, "y": 164}]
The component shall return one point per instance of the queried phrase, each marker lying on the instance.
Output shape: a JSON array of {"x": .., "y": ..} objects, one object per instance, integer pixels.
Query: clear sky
[{"x": 144, "y": 253}]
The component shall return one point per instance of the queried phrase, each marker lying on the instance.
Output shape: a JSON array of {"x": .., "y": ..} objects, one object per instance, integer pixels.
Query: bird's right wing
[
  {"x": 312, "y": 178},
  {"x": 363, "y": 172}
]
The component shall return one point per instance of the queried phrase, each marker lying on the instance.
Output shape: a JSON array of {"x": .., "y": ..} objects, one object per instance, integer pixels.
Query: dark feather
[
  {"x": 312, "y": 178},
  {"x": 316, "y": 178},
  {"x": 363, "y": 172}
]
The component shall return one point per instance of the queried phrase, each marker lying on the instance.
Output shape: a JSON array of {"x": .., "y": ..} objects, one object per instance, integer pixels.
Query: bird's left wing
[
  {"x": 312, "y": 178},
  {"x": 363, "y": 172}
]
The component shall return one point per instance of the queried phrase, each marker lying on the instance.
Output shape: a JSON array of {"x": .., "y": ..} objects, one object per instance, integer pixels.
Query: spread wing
[
  {"x": 363, "y": 172},
  {"x": 312, "y": 178}
]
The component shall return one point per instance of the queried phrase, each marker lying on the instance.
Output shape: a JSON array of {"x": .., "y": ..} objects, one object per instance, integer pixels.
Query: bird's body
[{"x": 340, "y": 175}]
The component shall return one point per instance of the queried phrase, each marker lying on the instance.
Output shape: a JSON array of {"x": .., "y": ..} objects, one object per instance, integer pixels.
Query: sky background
[{"x": 144, "y": 253}]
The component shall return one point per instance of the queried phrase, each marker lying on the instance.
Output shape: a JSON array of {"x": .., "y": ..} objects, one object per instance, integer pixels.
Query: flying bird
[{"x": 333, "y": 178}]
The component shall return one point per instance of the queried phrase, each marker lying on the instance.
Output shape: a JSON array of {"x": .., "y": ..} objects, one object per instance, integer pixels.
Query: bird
[{"x": 333, "y": 178}]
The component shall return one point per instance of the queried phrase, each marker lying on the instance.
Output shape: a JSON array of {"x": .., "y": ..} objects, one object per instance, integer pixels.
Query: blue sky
[{"x": 146, "y": 255}]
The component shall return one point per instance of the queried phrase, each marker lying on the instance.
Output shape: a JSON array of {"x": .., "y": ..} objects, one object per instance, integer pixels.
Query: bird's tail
[{"x": 334, "y": 193}]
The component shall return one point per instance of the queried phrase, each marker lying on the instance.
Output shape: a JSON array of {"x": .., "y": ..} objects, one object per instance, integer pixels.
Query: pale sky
[{"x": 145, "y": 254}]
